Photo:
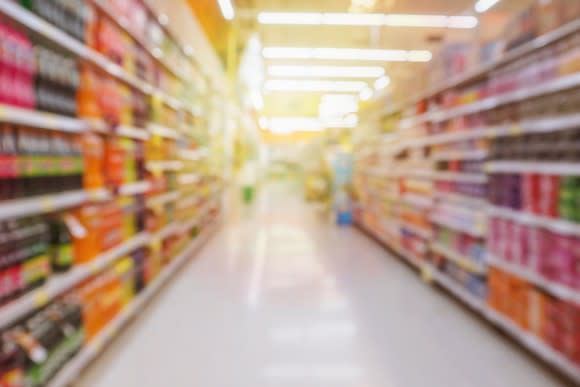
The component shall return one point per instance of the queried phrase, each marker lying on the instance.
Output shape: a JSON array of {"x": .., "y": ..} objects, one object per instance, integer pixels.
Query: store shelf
[
  {"x": 418, "y": 201},
  {"x": 37, "y": 119},
  {"x": 418, "y": 231},
  {"x": 137, "y": 188},
  {"x": 461, "y": 199},
  {"x": 478, "y": 305},
  {"x": 474, "y": 154},
  {"x": 556, "y": 225},
  {"x": 189, "y": 179},
  {"x": 164, "y": 233},
  {"x": 549, "y": 168},
  {"x": 459, "y": 259},
  {"x": 534, "y": 345},
  {"x": 477, "y": 232},
  {"x": 123, "y": 24},
  {"x": 541, "y": 125},
  {"x": 163, "y": 131},
  {"x": 90, "y": 352},
  {"x": 58, "y": 285},
  {"x": 59, "y": 37},
  {"x": 454, "y": 288},
  {"x": 165, "y": 166},
  {"x": 407, "y": 255},
  {"x": 48, "y": 203},
  {"x": 193, "y": 155},
  {"x": 163, "y": 199},
  {"x": 459, "y": 177},
  {"x": 553, "y": 86},
  {"x": 525, "y": 49},
  {"x": 561, "y": 291},
  {"x": 132, "y": 132}
]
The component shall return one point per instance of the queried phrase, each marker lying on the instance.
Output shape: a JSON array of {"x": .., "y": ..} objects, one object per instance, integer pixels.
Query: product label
[
  {"x": 8, "y": 166},
  {"x": 36, "y": 269},
  {"x": 64, "y": 256}
]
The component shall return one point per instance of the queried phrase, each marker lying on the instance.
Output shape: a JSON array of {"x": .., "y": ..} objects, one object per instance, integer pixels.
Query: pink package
[
  {"x": 508, "y": 237},
  {"x": 492, "y": 242},
  {"x": 536, "y": 242},
  {"x": 576, "y": 263},
  {"x": 518, "y": 245},
  {"x": 558, "y": 265}
]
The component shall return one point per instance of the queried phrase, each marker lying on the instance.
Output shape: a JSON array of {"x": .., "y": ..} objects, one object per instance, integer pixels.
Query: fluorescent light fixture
[
  {"x": 327, "y": 71},
  {"x": 315, "y": 86},
  {"x": 264, "y": 122},
  {"x": 368, "y": 19},
  {"x": 337, "y": 105},
  {"x": 366, "y": 94},
  {"x": 257, "y": 100},
  {"x": 227, "y": 9},
  {"x": 382, "y": 82},
  {"x": 361, "y": 54},
  {"x": 289, "y": 125},
  {"x": 485, "y": 5}
]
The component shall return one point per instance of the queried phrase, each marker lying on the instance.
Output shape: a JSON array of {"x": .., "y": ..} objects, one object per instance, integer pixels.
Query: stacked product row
[
  {"x": 97, "y": 204},
  {"x": 487, "y": 183}
]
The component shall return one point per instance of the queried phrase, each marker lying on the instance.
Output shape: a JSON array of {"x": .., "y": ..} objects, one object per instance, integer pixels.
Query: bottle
[{"x": 61, "y": 248}]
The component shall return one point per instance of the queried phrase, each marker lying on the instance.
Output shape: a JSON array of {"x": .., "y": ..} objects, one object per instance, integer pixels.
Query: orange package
[
  {"x": 94, "y": 153},
  {"x": 88, "y": 247}
]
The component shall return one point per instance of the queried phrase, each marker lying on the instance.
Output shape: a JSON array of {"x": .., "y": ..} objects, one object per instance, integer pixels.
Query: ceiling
[{"x": 364, "y": 37}]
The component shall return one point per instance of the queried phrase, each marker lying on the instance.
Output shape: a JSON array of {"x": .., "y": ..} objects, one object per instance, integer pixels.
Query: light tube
[
  {"x": 227, "y": 9},
  {"x": 382, "y": 82},
  {"x": 485, "y": 5},
  {"x": 360, "y": 54},
  {"x": 315, "y": 86},
  {"x": 327, "y": 71},
  {"x": 368, "y": 19}
]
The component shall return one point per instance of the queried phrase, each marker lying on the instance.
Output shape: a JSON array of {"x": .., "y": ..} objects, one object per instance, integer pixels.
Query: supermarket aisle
[{"x": 280, "y": 299}]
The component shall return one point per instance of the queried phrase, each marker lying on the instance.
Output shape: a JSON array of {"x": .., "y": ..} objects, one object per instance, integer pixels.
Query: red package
[{"x": 549, "y": 195}]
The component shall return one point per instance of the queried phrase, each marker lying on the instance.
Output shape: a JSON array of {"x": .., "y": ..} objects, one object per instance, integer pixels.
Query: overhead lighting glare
[
  {"x": 485, "y": 5},
  {"x": 368, "y": 19},
  {"x": 366, "y": 94},
  {"x": 315, "y": 86},
  {"x": 360, "y": 54},
  {"x": 227, "y": 9},
  {"x": 382, "y": 83},
  {"x": 327, "y": 71}
]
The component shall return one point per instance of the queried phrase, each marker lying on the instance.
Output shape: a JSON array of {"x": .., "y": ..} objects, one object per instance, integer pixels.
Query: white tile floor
[{"x": 283, "y": 299}]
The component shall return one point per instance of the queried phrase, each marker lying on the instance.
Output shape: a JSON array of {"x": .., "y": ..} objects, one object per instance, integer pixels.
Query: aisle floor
[{"x": 280, "y": 297}]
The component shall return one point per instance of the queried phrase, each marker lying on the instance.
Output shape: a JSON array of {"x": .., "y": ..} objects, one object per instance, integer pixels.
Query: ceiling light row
[
  {"x": 367, "y": 19},
  {"x": 326, "y": 71},
  {"x": 360, "y": 54}
]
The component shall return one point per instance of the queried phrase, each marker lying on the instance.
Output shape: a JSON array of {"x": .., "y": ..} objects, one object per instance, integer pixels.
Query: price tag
[
  {"x": 426, "y": 274},
  {"x": 2, "y": 112},
  {"x": 94, "y": 268},
  {"x": 97, "y": 346},
  {"x": 47, "y": 204},
  {"x": 488, "y": 168},
  {"x": 491, "y": 133},
  {"x": 515, "y": 130},
  {"x": 156, "y": 170},
  {"x": 155, "y": 244},
  {"x": 51, "y": 121},
  {"x": 40, "y": 299}
]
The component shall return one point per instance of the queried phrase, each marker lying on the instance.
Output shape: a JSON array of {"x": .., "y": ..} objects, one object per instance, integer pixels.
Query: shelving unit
[
  {"x": 156, "y": 139},
  {"x": 87, "y": 355},
  {"x": 455, "y": 141}
]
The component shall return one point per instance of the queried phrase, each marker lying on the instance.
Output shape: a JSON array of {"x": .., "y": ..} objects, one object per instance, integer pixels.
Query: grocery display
[
  {"x": 476, "y": 184},
  {"x": 97, "y": 207}
]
